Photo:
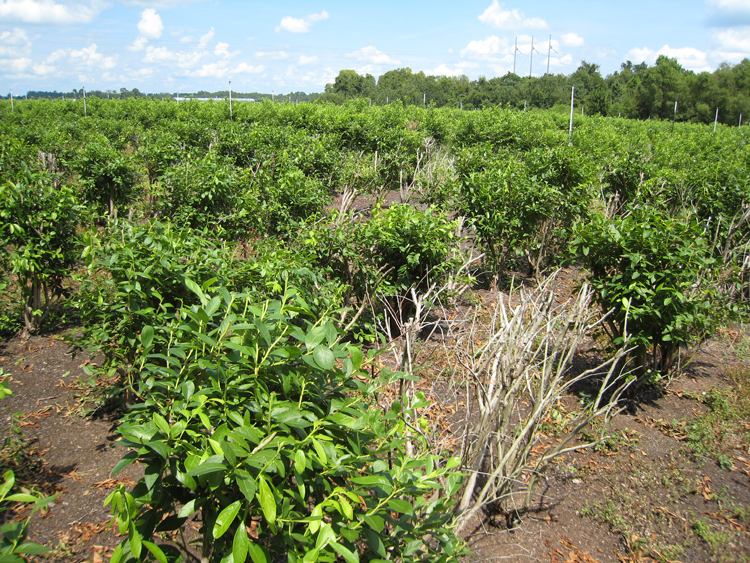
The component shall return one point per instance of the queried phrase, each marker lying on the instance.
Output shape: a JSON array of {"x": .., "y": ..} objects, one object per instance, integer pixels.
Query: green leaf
[
  {"x": 323, "y": 357},
  {"x": 240, "y": 544},
  {"x": 135, "y": 541},
  {"x": 126, "y": 460},
  {"x": 161, "y": 422},
  {"x": 299, "y": 461},
  {"x": 375, "y": 522},
  {"x": 225, "y": 519},
  {"x": 400, "y": 505},
  {"x": 156, "y": 551},
  {"x": 31, "y": 549},
  {"x": 212, "y": 465},
  {"x": 195, "y": 288},
  {"x": 147, "y": 336},
  {"x": 256, "y": 553},
  {"x": 349, "y": 556},
  {"x": 266, "y": 499}
]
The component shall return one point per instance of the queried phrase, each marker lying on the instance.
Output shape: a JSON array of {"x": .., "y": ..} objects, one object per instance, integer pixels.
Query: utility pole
[
  {"x": 515, "y": 50},
  {"x": 84, "y": 101},
  {"x": 230, "y": 99},
  {"x": 11, "y": 101},
  {"x": 572, "y": 100},
  {"x": 424, "y": 99},
  {"x": 740, "y": 125},
  {"x": 674, "y": 117},
  {"x": 549, "y": 53},
  {"x": 716, "y": 119}
]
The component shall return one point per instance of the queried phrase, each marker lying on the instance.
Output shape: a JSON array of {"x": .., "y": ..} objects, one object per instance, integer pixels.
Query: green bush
[
  {"x": 254, "y": 412},
  {"x": 37, "y": 241},
  {"x": 656, "y": 274}
]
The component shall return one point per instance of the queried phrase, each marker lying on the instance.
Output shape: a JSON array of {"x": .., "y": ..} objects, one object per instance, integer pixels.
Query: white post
[
  {"x": 84, "y": 101},
  {"x": 11, "y": 101},
  {"x": 462, "y": 105},
  {"x": 515, "y": 51},
  {"x": 716, "y": 119},
  {"x": 572, "y": 101},
  {"x": 424, "y": 99},
  {"x": 230, "y": 99},
  {"x": 740, "y": 125},
  {"x": 524, "y": 105}
]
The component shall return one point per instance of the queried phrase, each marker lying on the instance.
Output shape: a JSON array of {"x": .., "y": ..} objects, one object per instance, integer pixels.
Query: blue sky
[{"x": 190, "y": 45}]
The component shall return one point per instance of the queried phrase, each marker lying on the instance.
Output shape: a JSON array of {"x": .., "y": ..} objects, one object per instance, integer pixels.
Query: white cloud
[
  {"x": 159, "y": 55},
  {"x": 301, "y": 25},
  {"x": 305, "y": 60},
  {"x": 445, "y": 70},
  {"x": 14, "y": 43},
  {"x": 486, "y": 48},
  {"x": 731, "y": 5},
  {"x": 571, "y": 40},
  {"x": 733, "y": 44},
  {"x": 245, "y": 68},
  {"x": 50, "y": 12},
  {"x": 150, "y": 26},
  {"x": 688, "y": 57},
  {"x": 15, "y": 65},
  {"x": 187, "y": 39},
  {"x": 205, "y": 39},
  {"x": 91, "y": 58},
  {"x": 320, "y": 78},
  {"x": 222, "y": 49},
  {"x": 159, "y": 3},
  {"x": 496, "y": 16},
  {"x": 139, "y": 44},
  {"x": 372, "y": 55},
  {"x": 44, "y": 69},
  {"x": 212, "y": 70},
  {"x": 272, "y": 55}
]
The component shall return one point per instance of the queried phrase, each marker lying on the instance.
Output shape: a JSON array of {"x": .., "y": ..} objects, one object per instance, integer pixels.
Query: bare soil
[{"x": 646, "y": 495}]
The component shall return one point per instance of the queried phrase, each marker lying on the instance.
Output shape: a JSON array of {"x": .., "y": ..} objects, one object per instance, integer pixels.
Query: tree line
[{"x": 636, "y": 91}]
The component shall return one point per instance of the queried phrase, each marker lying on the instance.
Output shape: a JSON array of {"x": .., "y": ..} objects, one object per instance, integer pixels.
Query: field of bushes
[{"x": 257, "y": 289}]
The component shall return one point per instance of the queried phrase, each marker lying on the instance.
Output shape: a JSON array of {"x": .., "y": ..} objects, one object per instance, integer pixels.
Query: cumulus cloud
[
  {"x": 688, "y": 57},
  {"x": 372, "y": 55},
  {"x": 244, "y": 68},
  {"x": 206, "y": 38},
  {"x": 50, "y": 12},
  {"x": 222, "y": 49},
  {"x": 730, "y": 5},
  {"x": 15, "y": 65},
  {"x": 486, "y": 48},
  {"x": 159, "y": 55},
  {"x": 150, "y": 26},
  {"x": 732, "y": 44},
  {"x": 445, "y": 70},
  {"x": 301, "y": 25},
  {"x": 14, "y": 43},
  {"x": 305, "y": 60},
  {"x": 571, "y": 40},
  {"x": 212, "y": 70},
  {"x": 498, "y": 17},
  {"x": 272, "y": 55},
  {"x": 87, "y": 59},
  {"x": 159, "y": 3}
]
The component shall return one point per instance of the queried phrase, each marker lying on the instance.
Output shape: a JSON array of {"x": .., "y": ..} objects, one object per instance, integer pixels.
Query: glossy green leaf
[{"x": 225, "y": 519}]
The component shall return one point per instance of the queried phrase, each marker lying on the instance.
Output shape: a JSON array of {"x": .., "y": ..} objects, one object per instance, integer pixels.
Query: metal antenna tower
[
  {"x": 549, "y": 53},
  {"x": 515, "y": 51},
  {"x": 531, "y": 62}
]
